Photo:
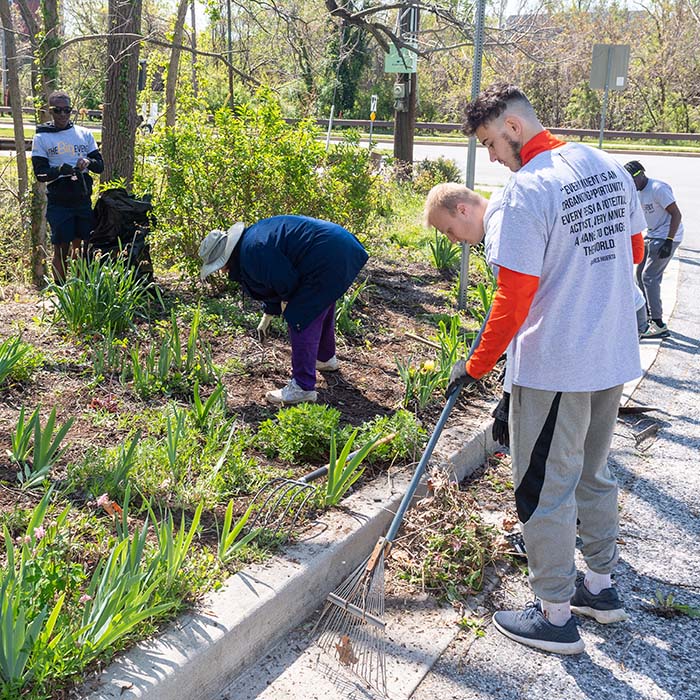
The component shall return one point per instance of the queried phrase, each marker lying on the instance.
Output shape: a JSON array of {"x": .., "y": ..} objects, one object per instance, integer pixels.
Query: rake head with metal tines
[
  {"x": 352, "y": 625},
  {"x": 282, "y": 501}
]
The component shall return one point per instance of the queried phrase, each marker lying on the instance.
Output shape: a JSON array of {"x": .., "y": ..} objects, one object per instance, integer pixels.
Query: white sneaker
[
  {"x": 330, "y": 365},
  {"x": 290, "y": 394}
]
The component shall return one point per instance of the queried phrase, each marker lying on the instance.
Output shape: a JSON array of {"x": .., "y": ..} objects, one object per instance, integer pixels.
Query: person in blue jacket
[{"x": 298, "y": 267}]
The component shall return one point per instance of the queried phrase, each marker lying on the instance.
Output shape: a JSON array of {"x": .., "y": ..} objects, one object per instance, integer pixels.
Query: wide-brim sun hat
[{"x": 216, "y": 248}]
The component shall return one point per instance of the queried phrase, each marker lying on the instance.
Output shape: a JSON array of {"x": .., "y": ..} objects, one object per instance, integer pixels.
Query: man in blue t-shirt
[
  {"x": 62, "y": 155},
  {"x": 664, "y": 236}
]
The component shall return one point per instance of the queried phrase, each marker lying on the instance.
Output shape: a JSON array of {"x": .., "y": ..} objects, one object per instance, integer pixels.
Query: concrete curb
[
  {"x": 203, "y": 651},
  {"x": 648, "y": 349}
]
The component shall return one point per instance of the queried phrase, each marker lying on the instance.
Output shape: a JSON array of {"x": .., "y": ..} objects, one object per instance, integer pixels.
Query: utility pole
[
  {"x": 405, "y": 93},
  {"x": 471, "y": 150}
]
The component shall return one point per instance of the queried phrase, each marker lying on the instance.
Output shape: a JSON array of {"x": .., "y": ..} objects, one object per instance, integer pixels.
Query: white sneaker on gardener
[
  {"x": 291, "y": 394},
  {"x": 329, "y": 365}
]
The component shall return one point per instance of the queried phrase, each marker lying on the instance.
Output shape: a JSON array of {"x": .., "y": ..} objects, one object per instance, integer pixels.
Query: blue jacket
[{"x": 309, "y": 263}]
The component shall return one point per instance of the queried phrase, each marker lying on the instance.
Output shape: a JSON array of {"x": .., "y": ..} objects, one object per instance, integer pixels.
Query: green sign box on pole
[{"x": 403, "y": 61}]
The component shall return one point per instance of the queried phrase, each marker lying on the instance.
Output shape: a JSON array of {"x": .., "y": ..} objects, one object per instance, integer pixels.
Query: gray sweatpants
[
  {"x": 559, "y": 443},
  {"x": 650, "y": 271}
]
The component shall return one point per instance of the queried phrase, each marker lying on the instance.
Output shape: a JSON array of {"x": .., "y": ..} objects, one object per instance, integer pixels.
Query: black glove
[
  {"x": 459, "y": 377},
  {"x": 666, "y": 248},
  {"x": 66, "y": 169},
  {"x": 499, "y": 431}
]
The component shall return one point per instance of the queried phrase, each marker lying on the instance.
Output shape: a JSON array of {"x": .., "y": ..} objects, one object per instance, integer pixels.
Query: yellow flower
[{"x": 428, "y": 366}]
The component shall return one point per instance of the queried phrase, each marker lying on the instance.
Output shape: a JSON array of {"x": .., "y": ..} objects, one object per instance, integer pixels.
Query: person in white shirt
[
  {"x": 63, "y": 155},
  {"x": 664, "y": 236}
]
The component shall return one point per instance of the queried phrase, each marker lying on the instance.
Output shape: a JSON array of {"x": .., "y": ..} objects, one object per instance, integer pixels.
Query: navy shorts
[{"x": 69, "y": 223}]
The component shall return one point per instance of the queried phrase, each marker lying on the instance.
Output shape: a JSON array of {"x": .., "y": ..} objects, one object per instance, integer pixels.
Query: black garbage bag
[{"x": 122, "y": 225}]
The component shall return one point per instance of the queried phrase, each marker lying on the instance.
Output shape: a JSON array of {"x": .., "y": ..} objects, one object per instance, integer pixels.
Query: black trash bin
[{"x": 123, "y": 225}]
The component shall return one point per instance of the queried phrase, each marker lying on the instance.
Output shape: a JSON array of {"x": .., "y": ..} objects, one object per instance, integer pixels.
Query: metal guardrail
[
  {"x": 94, "y": 113},
  {"x": 440, "y": 127},
  {"x": 445, "y": 127}
]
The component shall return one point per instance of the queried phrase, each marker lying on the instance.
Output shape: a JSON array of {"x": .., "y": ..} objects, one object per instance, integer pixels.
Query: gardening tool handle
[
  {"x": 408, "y": 496},
  {"x": 451, "y": 401},
  {"x": 322, "y": 471}
]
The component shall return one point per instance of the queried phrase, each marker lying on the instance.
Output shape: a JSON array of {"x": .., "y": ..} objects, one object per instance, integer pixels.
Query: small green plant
[
  {"x": 175, "y": 431},
  {"x": 167, "y": 368},
  {"x": 174, "y": 547},
  {"x": 445, "y": 255},
  {"x": 215, "y": 404},
  {"x": 109, "y": 357},
  {"x": 105, "y": 470},
  {"x": 26, "y": 625},
  {"x": 344, "y": 472},
  {"x": 298, "y": 433},
  {"x": 100, "y": 296},
  {"x": 12, "y": 350},
  {"x": 409, "y": 436},
  {"x": 419, "y": 381},
  {"x": 482, "y": 297},
  {"x": 121, "y": 594},
  {"x": 666, "y": 605},
  {"x": 46, "y": 446},
  {"x": 344, "y": 322},
  {"x": 229, "y": 542},
  {"x": 476, "y": 624},
  {"x": 454, "y": 345}
]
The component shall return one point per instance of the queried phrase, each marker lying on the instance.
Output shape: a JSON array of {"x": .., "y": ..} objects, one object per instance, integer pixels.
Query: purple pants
[{"x": 315, "y": 342}]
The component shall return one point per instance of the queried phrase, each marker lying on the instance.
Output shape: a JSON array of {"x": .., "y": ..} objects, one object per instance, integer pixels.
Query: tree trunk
[
  {"x": 171, "y": 82},
  {"x": 119, "y": 122},
  {"x": 44, "y": 41},
  {"x": 405, "y": 120},
  {"x": 16, "y": 103}
]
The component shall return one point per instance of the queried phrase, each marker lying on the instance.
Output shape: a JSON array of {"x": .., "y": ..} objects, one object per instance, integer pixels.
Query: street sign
[
  {"x": 404, "y": 61},
  {"x": 608, "y": 72},
  {"x": 609, "y": 66},
  {"x": 373, "y": 103}
]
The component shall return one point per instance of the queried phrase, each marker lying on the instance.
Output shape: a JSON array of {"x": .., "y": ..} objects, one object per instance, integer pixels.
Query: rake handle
[{"x": 449, "y": 405}]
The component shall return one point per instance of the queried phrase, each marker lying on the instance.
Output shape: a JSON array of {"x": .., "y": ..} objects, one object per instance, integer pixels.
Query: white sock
[
  {"x": 595, "y": 583},
  {"x": 556, "y": 613}
]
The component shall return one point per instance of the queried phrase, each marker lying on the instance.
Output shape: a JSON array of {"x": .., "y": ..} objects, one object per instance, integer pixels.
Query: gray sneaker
[
  {"x": 531, "y": 628},
  {"x": 604, "y": 607},
  {"x": 654, "y": 330}
]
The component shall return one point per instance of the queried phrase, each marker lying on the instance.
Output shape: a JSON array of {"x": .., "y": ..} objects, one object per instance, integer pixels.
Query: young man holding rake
[{"x": 564, "y": 310}]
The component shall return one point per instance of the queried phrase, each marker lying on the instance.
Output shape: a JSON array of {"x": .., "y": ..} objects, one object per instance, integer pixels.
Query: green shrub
[
  {"x": 244, "y": 167},
  {"x": 300, "y": 432},
  {"x": 428, "y": 173}
]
